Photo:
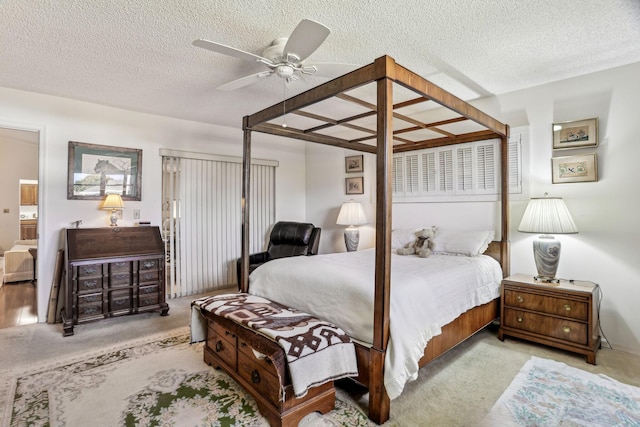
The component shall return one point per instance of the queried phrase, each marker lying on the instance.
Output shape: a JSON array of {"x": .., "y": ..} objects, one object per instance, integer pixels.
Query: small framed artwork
[
  {"x": 96, "y": 170},
  {"x": 354, "y": 185},
  {"x": 578, "y": 134},
  {"x": 353, "y": 164},
  {"x": 581, "y": 168}
]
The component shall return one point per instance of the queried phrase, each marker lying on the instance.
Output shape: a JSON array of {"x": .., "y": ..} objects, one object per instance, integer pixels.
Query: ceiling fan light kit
[{"x": 284, "y": 57}]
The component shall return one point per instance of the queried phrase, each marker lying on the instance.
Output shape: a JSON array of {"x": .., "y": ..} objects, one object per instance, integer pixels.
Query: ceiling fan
[{"x": 284, "y": 57}]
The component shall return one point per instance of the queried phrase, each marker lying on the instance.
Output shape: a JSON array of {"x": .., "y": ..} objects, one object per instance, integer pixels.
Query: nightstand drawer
[
  {"x": 563, "y": 329},
  {"x": 546, "y": 304}
]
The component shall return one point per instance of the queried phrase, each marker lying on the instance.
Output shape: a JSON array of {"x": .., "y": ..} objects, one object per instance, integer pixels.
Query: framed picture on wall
[
  {"x": 581, "y": 168},
  {"x": 353, "y": 164},
  {"x": 354, "y": 185},
  {"x": 96, "y": 170},
  {"x": 578, "y": 134}
]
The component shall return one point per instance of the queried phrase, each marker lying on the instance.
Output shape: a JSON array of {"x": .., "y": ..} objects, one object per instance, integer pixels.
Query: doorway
[{"x": 19, "y": 156}]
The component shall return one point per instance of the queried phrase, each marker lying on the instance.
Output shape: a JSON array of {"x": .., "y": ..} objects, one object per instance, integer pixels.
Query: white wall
[
  {"x": 62, "y": 120},
  {"x": 605, "y": 212}
]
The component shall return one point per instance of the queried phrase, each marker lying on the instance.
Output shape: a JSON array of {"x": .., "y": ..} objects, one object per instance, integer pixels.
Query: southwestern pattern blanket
[{"x": 316, "y": 351}]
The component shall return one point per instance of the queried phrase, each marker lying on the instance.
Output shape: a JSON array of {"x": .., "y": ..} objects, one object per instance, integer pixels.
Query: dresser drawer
[
  {"x": 120, "y": 279},
  {"x": 120, "y": 301},
  {"x": 119, "y": 267},
  {"x": 148, "y": 290},
  {"x": 147, "y": 300},
  {"x": 149, "y": 276},
  {"x": 222, "y": 343},
  {"x": 90, "y": 270},
  {"x": 260, "y": 374},
  {"x": 89, "y": 284},
  {"x": 149, "y": 264},
  {"x": 86, "y": 299},
  {"x": 89, "y": 310},
  {"x": 566, "y": 330},
  {"x": 546, "y": 304}
]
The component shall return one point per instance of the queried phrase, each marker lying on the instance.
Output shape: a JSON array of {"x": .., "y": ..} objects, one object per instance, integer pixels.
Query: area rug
[
  {"x": 550, "y": 393},
  {"x": 161, "y": 381}
]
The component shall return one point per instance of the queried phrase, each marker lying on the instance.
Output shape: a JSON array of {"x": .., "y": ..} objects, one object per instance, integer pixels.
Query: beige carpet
[{"x": 458, "y": 389}]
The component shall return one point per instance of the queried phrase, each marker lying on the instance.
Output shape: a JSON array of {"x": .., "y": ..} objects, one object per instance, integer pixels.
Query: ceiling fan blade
[
  {"x": 245, "y": 81},
  {"x": 230, "y": 51},
  {"x": 305, "y": 39},
  {"x": 331, "y": 70}
]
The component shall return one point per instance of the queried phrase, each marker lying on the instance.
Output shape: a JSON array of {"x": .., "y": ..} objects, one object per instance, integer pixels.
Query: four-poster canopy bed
[{"x": 386, "y": 114}]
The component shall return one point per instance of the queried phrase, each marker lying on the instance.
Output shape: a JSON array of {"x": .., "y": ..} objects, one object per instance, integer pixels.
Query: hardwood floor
[{"x": 17, "y": 304}]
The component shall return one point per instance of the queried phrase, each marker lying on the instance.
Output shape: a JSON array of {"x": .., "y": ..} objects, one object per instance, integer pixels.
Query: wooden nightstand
[{"x": 562, "y": 315}]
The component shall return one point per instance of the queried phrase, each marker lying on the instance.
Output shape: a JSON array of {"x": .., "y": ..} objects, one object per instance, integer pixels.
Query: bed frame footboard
[{"x": 371, "y": 375}]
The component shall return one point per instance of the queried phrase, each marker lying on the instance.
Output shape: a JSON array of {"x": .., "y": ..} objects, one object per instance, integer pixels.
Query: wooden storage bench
[{"x": 231, "y": 347}]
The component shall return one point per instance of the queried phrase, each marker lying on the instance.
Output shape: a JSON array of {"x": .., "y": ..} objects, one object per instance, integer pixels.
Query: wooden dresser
[
  {"x": 562, "y": 315},
  {"x": 112, "y": 271}
]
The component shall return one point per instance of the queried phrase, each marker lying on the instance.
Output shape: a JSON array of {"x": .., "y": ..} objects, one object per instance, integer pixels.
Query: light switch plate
[{"x": 136, "y": 214}]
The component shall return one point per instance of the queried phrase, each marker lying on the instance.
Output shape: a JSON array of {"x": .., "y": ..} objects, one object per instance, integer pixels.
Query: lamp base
[
  {"x": 351, "y": 238},
  {"x": 114, "y": 218},
  {"x": 546, "y": 253}
]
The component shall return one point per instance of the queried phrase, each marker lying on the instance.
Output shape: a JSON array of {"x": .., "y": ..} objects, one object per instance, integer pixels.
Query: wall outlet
[
  {"x": 6, "y": 210},
  {"x": 136, "y": 214}
]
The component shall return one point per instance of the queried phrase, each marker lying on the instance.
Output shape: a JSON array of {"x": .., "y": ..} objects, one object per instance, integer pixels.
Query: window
[{"x": 442, "y": 173}]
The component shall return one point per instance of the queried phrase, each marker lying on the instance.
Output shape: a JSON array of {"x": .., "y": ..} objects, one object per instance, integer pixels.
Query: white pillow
[
  {"x": 403, "y": 237},
  {"x": 459, "y": 242}
]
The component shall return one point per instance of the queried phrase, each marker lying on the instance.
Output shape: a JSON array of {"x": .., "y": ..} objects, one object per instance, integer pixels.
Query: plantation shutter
[
  {"x": 464, "y": 169},
  {"x": 486, "y": 175},
  {"x": 429, "y": 172},
  {"x": 411, "y": 174},
  {"x": 398, "y": 176},
  {"x": 445, "y": 159}
]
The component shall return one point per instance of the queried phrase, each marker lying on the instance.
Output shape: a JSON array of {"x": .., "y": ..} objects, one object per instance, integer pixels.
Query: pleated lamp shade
[{"x": 547, "y": 215}]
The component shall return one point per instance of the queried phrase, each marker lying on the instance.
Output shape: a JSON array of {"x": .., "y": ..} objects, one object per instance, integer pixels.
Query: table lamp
[
  {"x": 547, "y": 215},
  {"x": 113, "y": 202},
  {"x": 351, "y": 214}
]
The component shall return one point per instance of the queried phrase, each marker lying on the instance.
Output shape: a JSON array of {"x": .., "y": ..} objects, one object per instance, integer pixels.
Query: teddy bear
[{"x": 424, "y": 244}]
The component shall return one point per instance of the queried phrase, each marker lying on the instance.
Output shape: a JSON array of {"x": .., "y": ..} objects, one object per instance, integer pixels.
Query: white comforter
[{"x": 426, "y": 294}]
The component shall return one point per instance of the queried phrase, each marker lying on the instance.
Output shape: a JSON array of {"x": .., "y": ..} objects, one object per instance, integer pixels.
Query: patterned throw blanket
[{"x": 316, "y": 351}]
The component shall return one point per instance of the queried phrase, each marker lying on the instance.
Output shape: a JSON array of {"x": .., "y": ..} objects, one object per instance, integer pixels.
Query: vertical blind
[{"x": 202, "y": 217}]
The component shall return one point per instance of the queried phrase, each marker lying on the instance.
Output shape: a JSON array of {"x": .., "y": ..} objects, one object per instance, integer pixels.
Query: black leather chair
[{"x": 287, "y": 239}]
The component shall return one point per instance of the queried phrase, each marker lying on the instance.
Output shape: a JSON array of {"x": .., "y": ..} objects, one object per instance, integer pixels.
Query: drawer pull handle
[
  {"x": 519, "y": 298},
  {"x": 567, "y": 307},
  {"x": 149, "y": 264},
  {"x": 519, "y": 319},
  {"x": 219, "y": 346},
  {"x": 566, "y": 329},
  {"x": 243, "y": 344},
  {"x": 255, "y": 376},
  {"x": 90, "y": 283},
  {"x": 90, "y": 270}
]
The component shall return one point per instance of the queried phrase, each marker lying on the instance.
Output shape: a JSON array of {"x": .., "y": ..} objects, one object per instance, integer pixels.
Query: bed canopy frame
[{"x": 383, "y": 108}]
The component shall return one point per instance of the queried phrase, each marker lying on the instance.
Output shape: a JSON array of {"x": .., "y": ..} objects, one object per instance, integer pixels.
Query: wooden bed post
[
  {"x": 379, "y": 404},
  {"x": 505, "y": 259},
  {"x": 243, "y": 280}
]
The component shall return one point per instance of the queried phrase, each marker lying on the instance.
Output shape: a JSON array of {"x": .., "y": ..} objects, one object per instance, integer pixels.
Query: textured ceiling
[{"x": 137, "y": 54}]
